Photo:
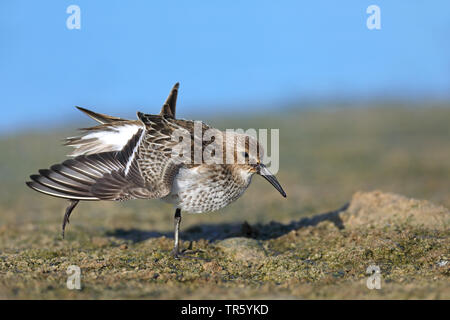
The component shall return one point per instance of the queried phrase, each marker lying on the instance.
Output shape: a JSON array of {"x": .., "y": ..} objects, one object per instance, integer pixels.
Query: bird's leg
[
  {"x": 72, "y": 205},
  {"x": 177, "y": 222}
]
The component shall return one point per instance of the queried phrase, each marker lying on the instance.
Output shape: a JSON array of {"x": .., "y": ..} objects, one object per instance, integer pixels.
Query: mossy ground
[{"x": 288, "y": 248}]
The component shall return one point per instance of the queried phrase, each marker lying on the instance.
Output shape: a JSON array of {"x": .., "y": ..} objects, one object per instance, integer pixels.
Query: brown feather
[
  {"x": 169, "y": 107},
  {"x": 99, "y": 117}
]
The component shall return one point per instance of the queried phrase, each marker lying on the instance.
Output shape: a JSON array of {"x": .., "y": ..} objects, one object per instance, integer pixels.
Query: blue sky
[{"x": 128, "y": 54}]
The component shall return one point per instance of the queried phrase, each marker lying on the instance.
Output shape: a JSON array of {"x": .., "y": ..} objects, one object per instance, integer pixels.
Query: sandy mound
[{"x": 379, "y": 209}]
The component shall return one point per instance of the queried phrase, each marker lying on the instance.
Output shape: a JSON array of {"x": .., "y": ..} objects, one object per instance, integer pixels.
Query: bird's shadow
[{"x": 213, "y": 232}]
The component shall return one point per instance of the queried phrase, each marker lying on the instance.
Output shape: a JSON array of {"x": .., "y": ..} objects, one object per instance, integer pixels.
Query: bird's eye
[{"x": 246, "y": 155}]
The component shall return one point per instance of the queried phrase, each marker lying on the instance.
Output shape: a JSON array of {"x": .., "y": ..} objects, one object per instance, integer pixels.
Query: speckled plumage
[
  {"x": 133, "y": 159},
  {"x": 190, "y": 187},
  {"x": 206, "y": 188}
]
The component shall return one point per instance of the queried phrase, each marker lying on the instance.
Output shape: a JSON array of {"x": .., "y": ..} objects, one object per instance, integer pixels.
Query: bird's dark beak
[{"x": 266, "y": 174}]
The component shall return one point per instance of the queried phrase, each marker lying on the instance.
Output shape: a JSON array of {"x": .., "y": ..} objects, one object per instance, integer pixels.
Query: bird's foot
[{"x": 186, "y": 253}]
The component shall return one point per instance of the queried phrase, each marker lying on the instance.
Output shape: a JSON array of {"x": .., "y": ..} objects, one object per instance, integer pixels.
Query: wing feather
[
  {"x": 104, "y": 138},
  {"x": 95, "y": 177},
  {"x": 99, "y": 117},
  {"x": 118, "y": 160}
]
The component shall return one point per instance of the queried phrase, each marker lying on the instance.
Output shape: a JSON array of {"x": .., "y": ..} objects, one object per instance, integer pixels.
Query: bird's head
[{"x": 248, "y": 157}]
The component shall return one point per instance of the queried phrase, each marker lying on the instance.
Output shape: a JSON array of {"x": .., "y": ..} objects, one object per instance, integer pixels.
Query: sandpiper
[{"x": 123, "y": 159}]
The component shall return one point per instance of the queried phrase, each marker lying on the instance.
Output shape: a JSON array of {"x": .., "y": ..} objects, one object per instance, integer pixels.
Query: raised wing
[
  {"x": 118, "y": 159},
  {"x": 104, "y": 138},
  {"x": 103, "y": 176}
]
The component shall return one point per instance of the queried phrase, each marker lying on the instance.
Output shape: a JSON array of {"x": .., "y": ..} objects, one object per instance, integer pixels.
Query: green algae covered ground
[{"x": 366, "y": 187}]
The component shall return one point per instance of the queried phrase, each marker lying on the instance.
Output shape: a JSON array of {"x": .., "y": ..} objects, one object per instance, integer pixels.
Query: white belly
[{"x": 199, "y": 190}]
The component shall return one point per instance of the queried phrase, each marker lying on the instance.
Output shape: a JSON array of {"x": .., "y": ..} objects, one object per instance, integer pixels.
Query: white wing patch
[
  {"x": 104, "y": 138},
  {"x": 133, "y": 155}
]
